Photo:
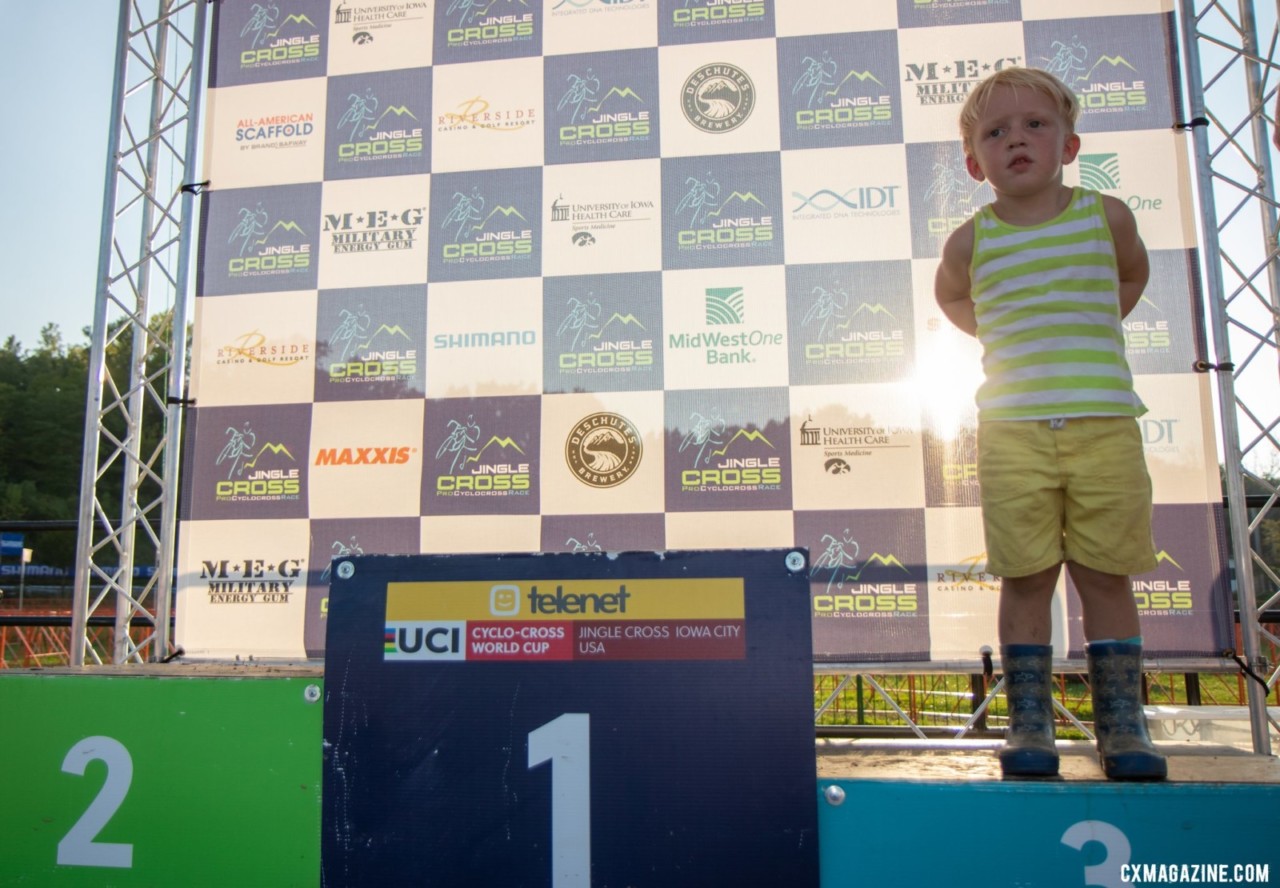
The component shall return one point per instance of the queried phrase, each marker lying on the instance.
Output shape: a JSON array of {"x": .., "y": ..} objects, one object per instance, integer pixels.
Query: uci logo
[{"x": 435, "y": 640}]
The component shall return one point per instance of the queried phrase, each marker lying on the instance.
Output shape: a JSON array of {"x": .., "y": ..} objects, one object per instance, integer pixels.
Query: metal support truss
[
  {"x": 138, "y": 355},
  {"x": 1233, "y": 84}
]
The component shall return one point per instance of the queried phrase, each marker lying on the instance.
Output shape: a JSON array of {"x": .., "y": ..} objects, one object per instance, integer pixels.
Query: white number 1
[{"x": 566, "y": 743}]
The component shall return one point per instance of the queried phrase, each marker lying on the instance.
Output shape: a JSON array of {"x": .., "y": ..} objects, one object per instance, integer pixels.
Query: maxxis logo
[{"x": 603, "y": 450}]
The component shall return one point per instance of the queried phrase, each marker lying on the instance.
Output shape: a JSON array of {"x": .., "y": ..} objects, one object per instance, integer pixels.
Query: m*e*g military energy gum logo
[{"x": 603, "y": 449}]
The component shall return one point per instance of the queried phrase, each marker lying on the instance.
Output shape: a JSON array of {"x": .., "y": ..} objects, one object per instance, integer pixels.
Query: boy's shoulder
[{"x": 958, "y": 247}]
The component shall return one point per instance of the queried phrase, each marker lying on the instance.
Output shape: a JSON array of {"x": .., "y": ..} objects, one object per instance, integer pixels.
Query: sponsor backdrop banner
[{"x": 602, "y": 275}]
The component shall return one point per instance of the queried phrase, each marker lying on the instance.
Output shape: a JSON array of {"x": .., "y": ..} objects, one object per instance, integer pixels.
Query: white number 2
[
  {"x": 566, "y": 743},
  {"x": 78, "y": 847},
  {"x": 1106, "y": 874}
]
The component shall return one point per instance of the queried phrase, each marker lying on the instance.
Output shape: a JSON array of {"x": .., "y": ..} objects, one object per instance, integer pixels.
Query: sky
[{"x": 52, "y": 174}]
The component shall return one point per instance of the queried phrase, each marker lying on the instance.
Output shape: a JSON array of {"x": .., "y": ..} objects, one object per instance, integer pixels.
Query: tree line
[{"x": 42, "y": 427}]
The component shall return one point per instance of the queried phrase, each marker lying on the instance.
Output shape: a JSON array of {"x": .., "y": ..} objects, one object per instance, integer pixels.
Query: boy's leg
[
  {"x": 1026, "y": 658},
  {"x": 1115, "y": 675},
  {"x": 1025, "y": 602},
  {"x": 1107, "y": 602}
]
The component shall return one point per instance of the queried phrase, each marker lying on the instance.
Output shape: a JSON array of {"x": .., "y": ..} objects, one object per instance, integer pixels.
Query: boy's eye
[
  {"x": 1034, "y": 124},
  {"x": 995, "y": 133}
]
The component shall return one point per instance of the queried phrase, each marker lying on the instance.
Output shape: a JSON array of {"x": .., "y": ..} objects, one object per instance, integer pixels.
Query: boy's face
[{"x": 1020, "y": 142}]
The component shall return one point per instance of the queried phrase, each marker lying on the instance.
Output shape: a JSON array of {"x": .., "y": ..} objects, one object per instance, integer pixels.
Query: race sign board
[{"x": 570, "y": 720}]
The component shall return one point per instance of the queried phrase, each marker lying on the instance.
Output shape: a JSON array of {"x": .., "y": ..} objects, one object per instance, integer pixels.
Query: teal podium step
[{"x": 917, "y": 813}]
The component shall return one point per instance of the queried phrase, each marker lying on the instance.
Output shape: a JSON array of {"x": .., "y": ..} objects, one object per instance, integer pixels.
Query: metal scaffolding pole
[
  {"x": 138, "y": 354},
  {"x": 1228, "y": 79}
]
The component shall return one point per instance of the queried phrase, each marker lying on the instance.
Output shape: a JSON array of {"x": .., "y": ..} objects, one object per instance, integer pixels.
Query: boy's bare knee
[
  {"x": 1091, "y": 582},
  {"x": 1039, "y": 584}
]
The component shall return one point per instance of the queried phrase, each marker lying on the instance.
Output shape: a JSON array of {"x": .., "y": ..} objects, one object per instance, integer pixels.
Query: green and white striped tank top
[{"x": 1047, "y": 302}]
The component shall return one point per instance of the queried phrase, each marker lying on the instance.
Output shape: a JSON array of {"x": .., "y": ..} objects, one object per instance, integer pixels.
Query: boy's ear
[
  {"x": 975, "y": 171},
  {"x": 1071, "y": 149}
]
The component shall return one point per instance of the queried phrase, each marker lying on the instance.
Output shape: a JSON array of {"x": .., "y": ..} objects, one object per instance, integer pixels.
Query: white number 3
[{"x": 1106, "y": 874}]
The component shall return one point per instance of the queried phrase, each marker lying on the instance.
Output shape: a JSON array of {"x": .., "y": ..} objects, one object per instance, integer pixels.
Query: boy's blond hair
[{"x": 1031, "y": 78}]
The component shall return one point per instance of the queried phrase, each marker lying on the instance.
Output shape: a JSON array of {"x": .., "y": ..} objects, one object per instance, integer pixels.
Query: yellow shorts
[{"x": 1079, "y": 492}]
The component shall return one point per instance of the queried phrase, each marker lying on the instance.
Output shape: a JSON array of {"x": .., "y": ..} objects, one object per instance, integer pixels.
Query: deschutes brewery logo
[
  {"x": 603, "y": 450},
  {"x": 717, "y": 98}
]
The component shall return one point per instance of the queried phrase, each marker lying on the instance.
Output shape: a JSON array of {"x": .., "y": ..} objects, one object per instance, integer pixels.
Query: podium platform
[
  {"x": 938, "y": 813},
  {"x": 224, "y": 771}
]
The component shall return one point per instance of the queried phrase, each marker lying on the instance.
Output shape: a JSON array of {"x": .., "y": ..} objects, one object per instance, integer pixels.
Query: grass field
[{"x": 947, "y": 702}]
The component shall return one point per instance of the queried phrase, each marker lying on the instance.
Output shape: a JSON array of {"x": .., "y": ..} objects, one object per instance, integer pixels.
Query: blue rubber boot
[
  {"x": 1029, "y": 749},
  {"x": 1124, "y": 746}
]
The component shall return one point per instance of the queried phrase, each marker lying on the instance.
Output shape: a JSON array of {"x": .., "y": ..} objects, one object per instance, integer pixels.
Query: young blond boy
[{"x": 1042, "y": 277}]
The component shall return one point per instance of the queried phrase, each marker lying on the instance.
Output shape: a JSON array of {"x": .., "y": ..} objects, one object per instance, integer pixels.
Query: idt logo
[{"x": 423, "y": 641}]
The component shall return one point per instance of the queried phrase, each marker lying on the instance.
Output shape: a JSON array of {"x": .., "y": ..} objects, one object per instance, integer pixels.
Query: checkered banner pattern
[{"x": 579, "y": 275}]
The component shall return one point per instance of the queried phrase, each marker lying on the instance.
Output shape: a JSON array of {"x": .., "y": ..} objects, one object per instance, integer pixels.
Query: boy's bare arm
[
  {"x": 1131, "y": 253},
  {"x": 951, "y": 283}
]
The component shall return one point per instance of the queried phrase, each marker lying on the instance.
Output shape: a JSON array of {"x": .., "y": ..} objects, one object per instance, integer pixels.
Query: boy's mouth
[{"x": 1019, "y": 162}]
